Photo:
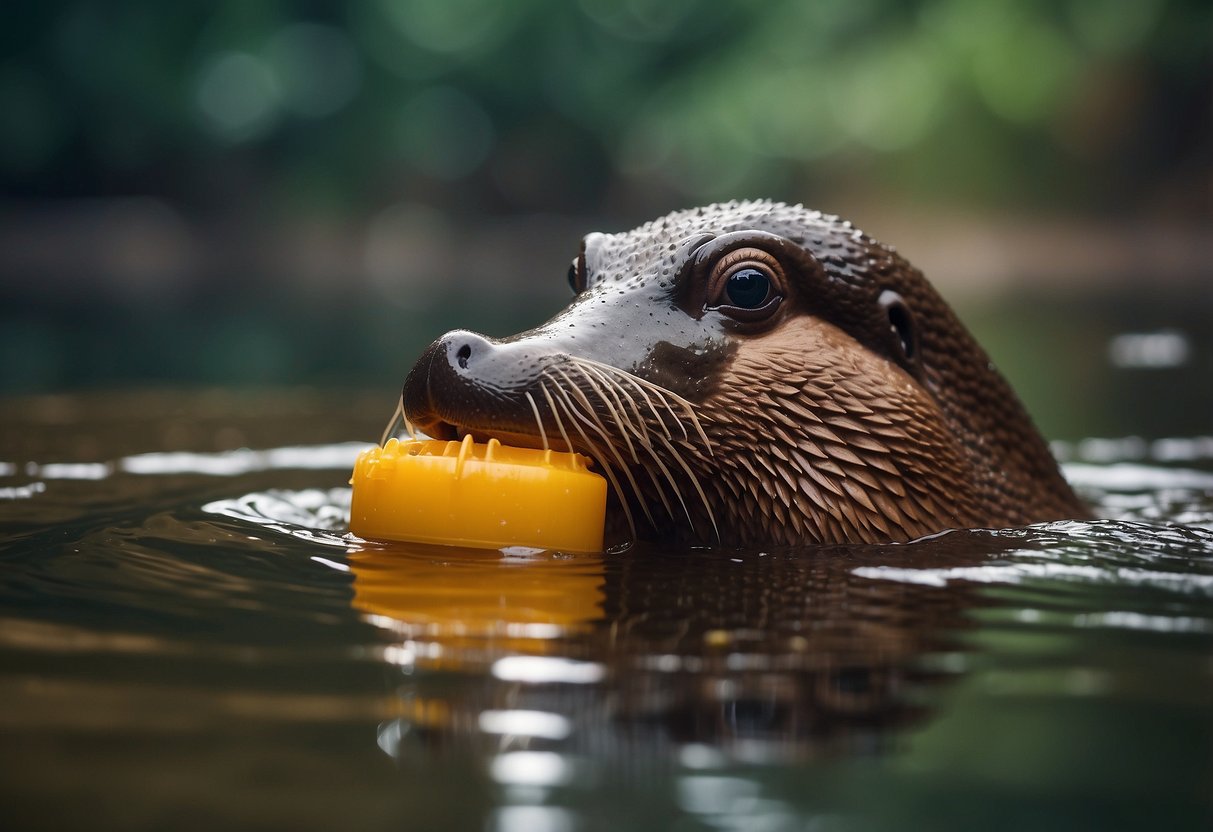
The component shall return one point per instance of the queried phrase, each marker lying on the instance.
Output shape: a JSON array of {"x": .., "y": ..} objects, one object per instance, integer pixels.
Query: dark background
[{"x": 305, "y": 193}]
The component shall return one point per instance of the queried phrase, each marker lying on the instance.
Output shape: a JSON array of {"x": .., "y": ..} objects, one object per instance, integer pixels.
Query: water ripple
[
  {"x": 316, "y": 515},
  {"x": 243, "y": 461}
]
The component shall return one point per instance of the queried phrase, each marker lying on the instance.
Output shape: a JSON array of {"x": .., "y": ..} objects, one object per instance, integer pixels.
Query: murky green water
[{"x": 188, "y": 640}]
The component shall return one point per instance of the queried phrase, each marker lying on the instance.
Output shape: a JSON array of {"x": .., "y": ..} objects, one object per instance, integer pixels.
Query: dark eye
[
  {"x": 746, "y": 284},
  {"x": 747, "y": 288},
  {"x": 573, "y": 277}
]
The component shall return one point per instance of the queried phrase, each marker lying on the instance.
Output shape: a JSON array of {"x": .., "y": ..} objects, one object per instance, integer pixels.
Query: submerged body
[{"x": 752, "y": 373}]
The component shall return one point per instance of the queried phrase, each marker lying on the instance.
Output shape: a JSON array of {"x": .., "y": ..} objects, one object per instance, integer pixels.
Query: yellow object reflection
[{"x": 455, "y": 607}]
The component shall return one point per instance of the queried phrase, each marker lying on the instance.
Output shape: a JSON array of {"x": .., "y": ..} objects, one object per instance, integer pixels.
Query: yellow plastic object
[{"x": 482, "y": 495}]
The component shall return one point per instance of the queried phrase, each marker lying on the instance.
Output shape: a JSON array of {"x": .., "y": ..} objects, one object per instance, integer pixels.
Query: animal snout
[{"x": 444, "y": 375}]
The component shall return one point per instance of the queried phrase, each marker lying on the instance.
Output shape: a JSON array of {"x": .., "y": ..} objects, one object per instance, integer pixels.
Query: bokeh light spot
[
  {"x": 444, "y": 133},
  {"x": 451, "y": 26},
  {"x": 318, "y": 66},
  {"x": 239, "y": 96}
]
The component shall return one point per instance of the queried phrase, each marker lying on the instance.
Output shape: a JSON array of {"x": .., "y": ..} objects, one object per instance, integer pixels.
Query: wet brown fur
[{"x": 843, "y": 442}]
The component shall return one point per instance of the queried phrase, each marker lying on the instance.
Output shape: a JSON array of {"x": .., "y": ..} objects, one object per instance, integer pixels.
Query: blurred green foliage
[
  {"x": 265, "y": 191},
  {"x": 557, "y": 105}
]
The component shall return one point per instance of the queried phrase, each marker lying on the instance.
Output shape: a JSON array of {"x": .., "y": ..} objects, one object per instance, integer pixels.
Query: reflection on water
[
  {"x": 766, "y": 657},
  {"x": 458, "y": 607},
  {"x": 191, "y": 639}
]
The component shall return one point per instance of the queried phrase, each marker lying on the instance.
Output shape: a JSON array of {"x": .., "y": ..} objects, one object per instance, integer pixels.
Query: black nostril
[{"x": 463, "y": 351}]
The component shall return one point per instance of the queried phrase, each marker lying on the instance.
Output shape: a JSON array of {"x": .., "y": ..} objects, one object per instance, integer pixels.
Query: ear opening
[{"x": 901, "y": 324}]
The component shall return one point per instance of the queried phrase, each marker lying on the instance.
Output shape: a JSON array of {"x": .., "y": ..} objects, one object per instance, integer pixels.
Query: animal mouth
[
  {"x": 641, "y": 436},
  {"x": 448, "y": 431}
]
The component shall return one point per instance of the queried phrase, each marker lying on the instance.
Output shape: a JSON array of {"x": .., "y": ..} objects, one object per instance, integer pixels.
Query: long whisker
[
  {"x": 556, "y": 414},
  {"x": 570, "y": 386},
  {"x": 695, "y": 482},
  {"x": 663, "y": 393},
  {"x": 640, "y": 429},
  {"x": 592, "y": 395},
  {"x": 641, "y": 386},
  {"x": 670, "y": 482},
  {"x": 635, "y": 421},
  {"x": 397, "y": 415},
  {"x": 575, "y": 416},
  {"x": 538, "y": 422},
  {"x": 647, "y": 400},
  {"x": 408, "y": 425},
  {"x": 625, "y": 425},
  {"x": 610, "y": 473},
  {"x": 598, "y": 455}
]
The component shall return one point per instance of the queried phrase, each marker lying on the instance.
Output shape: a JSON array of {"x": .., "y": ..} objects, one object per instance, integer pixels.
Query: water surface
[{"x": 190, "y": 639}]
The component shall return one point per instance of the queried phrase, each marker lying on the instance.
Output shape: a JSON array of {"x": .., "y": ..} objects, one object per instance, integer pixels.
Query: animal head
[{"x": 754, "y": 372}]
